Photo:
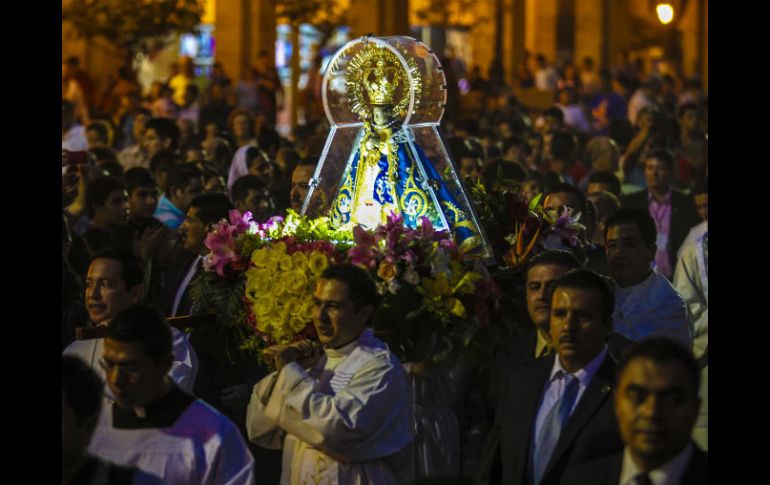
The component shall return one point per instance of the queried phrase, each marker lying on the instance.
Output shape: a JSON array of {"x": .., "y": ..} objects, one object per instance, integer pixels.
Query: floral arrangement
[
  {"x": 519, "y": 229},
  {"x": 260, "y": 277}
]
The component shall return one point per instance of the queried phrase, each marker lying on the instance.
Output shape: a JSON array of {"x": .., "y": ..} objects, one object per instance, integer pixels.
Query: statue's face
[{"x": 381, "y": 114}]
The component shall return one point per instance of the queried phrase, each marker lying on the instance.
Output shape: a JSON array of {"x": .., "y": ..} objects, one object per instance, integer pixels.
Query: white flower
[{"x": 411, "y": 277}]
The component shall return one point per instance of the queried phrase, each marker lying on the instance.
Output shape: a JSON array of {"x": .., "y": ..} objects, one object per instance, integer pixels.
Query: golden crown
[{"x": 381, "y": 83}]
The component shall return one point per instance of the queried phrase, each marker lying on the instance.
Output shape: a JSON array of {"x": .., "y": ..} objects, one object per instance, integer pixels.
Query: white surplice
[
  {"x": 347, "y": 420},
  {"x": 202, "y": 447}
]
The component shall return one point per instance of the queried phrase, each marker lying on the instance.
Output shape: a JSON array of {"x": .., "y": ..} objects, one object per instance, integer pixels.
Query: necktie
[
  {"x": 554, "y": 422},
  {"x": 642, "y": 479}
]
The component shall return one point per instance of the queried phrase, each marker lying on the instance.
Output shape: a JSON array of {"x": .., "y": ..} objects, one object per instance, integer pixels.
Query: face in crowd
[
  {"x": 578, "y": 326},
  {"x": 336, "y": 318},
  {"x": 656, "y": 405},
  {"x": 106, "y": 292}
]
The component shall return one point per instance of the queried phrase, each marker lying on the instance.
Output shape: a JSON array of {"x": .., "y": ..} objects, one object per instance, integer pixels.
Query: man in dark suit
[
  {"x": 205, "y": 211},
  {"x": 542, "y": 271},
  {"x": 656, "y": 402},
  {"x": 674, "y": 212},
  {"x": 556, "y": 411}
]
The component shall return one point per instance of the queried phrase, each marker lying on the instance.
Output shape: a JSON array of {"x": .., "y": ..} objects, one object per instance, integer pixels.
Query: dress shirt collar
[
  {"x": 644, "y": 285},
  {"x": 666, "y": 199},
  {"x": 669, "y": 473},
  {"x": 585, "y": 374},
  {"x": 162, "y": 413},
  {"x": 364, "y": 339},
  {"x": 543, "y": 344}
]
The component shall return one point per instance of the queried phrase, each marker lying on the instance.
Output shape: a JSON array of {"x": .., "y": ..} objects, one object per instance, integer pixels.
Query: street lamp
[{"x": 665, "y": 13}]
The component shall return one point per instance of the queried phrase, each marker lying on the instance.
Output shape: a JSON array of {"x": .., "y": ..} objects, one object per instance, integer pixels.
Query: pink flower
[
  {"x": 242, "y": 223},
  {"x": 221, "y": 243},
  {"x": 363, "y": 253}
]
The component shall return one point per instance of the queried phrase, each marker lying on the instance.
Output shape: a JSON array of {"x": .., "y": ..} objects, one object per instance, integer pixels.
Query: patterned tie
[{"x": 552, "y": 426}]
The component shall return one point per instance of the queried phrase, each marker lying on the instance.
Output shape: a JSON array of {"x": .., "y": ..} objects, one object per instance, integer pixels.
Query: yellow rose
[
  {"x": 297, "y": 282},
  {"x": 258, "y": 281},
  {"x": 284, "y": 262},
  {"x": 307, "y": 310},
  {"x": 278, "y": 288},
  {"x": 299, "y": 260},
  {"x": 279, "y": 247},
  {"x": 264, "y": 305},
  {"x": 297, "y": 324},
  {"x": 387, "y": 271},
  {"x": 260, "y": 257},
  {"x": 318, "y": 262}
]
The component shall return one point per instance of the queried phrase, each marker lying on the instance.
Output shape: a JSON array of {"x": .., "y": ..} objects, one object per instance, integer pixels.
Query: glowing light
[{"x": 665, "y": 13}]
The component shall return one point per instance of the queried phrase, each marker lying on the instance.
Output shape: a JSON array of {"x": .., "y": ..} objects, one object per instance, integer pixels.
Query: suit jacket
[
  {"x": 172, "y": 279},
  {"x": 606, "y": 470},
  {"x": 591, "y": 431},
  {"x": 683, "y": 217}
]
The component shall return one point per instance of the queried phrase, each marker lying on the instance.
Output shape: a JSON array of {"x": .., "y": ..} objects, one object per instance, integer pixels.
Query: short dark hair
[
  {"x": 664, "y": 156},
  {"x": 101, "y": 128},
  {"x": 689, "y": 106},
  {"x": 662, "y": 350},
  {"x": 138, "y": 177},
  {"x": 212, "y": 207},
  {"x": 606, "y": 178},
  {"x": 132, "y": 267},
  {"x": 181, "y": 174},
  {"x": 98, "y": 190},
  {"x": 81, "y": 387},
  {"x": 244, "y": 184},
  {"x": 640, "y": 218},
  {"x": 562, "y": 146},
  {"x": 583, "y": 279},
  {"x": 112, "y": 168},
  {"x": 141, "y": 323},
  {"x": 361, "y": 288},
  {"x": 501, "y": 170},
  {"x": 554, "y": 112},
  {"x": 166, "y": 128},
  {"x": 555, "y": 256},
  {"x": 570, "y": 189},
  {"x": 251, "y": 155}
]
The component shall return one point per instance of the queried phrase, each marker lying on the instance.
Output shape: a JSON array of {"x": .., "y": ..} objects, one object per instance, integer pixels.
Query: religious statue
[{"x": 387, "y": 170}]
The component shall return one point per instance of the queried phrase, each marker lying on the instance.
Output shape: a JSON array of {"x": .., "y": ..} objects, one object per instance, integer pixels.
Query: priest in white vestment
[{"x": 344, "y": 415}]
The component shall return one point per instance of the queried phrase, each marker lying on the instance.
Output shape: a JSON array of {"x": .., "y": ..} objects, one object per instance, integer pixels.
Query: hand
[
  {"x": 281, "y": 355},
  {"x": 309, "y": 352}
]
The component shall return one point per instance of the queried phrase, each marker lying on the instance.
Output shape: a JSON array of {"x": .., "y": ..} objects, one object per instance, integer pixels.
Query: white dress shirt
[
  {"x": 554, "y": 389},
  {"x": 669, "y": 473}
]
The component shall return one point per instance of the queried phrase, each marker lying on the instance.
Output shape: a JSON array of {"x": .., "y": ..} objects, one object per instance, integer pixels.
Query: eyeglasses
[{"x": 133, "y": 369}]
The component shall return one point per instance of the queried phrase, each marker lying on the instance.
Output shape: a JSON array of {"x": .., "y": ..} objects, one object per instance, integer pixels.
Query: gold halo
[{"x": 365, "y": 60}]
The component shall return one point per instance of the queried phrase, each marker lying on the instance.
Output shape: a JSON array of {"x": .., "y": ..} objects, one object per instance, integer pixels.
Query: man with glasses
[
  {"x": 153, "y": 424},
  {"x": 115, "y": 280}
]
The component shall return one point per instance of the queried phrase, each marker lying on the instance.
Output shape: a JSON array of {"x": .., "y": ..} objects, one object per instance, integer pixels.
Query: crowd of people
[{"x": 606, "y": 383}]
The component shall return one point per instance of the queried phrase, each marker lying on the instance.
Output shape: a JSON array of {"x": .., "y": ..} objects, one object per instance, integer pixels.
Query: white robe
[
  {"x": 183, "y": 370},
  {"x": 203, "y": 447},
  {"x": 653, "y": 307},
  {"x": 348, "y": 420}
]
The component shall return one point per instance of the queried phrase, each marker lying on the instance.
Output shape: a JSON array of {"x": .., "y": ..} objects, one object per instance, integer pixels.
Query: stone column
[
  {"x": 540, "y": 31},
  {"x": 514, "y": 39},
  {"x": 589, "y": 31},
  {"x": 379, "y": 17},
  {"x": 233, "y": 40}
]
